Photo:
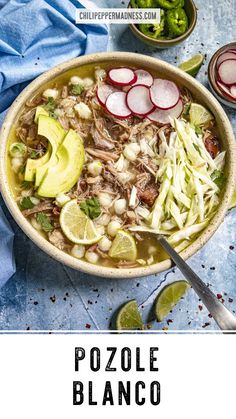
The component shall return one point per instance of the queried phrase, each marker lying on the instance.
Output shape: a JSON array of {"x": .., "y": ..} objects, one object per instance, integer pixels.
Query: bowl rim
[
  {"x": 211, "y": 77},
  {"x": 133, "y": 59},
  {"x": 168, "y": 42}
]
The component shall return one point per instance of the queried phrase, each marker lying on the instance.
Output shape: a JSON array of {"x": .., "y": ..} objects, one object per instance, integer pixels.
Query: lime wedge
[
  {"x": 199, "y": 115},
  {"x": 193, "y": 65},
  {"x": 233, "y": 200},
  {"x": 77, "y": 227},
  {"x": 129, "y": 318},
  {"x": 169, "y": 297},
  {"x": 123, "y": 247}
]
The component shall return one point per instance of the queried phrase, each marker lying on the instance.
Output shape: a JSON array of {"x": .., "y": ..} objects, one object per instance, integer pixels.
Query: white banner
[
  {"x": 118, "y": 16},
  {"x": 39, "y": 376}
]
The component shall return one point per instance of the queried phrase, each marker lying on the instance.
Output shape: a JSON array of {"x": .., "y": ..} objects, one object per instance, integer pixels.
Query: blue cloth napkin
[
  {"x": 6, "y": 250},
  {"x": 36, "y": 35}
]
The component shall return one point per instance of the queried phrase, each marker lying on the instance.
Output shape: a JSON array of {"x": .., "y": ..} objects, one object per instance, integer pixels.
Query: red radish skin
[
  {"x": 226, "y": 90},
  {"x": 162, "y": 116},
  {"x": 143, "y": 77},
  {"x": 227, "y": 72},
  {"x": 103, "y": 92},
  {"x": 225, "y": 56},
  {"x": 164, "y": 94},
  {"x": 116, "y": 105},
  {"x": 138, "y": 100},
  {"x": 122, "y": 76}
]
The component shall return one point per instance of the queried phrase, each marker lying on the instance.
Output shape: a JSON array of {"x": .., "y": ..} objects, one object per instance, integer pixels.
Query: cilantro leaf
[
  {"x": 50, "y": 106},
  {"x": 45, "y": 222},
  {"x": 26, "y": 203},
  {"x": 219, "y": 178},
  {"x": 22, "y": 169},
  {"x": 77, "y": 89},
  {"x": 186, "y": 109},
  {"x": 26, "y": 184},
  {"x": 198, "y": 130},
  {"x": 34, "y": 154},
  {"x": 91, "y": 208}
]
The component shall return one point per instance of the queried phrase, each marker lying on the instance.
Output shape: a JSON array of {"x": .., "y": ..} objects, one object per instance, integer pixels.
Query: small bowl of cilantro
[{"x": 178, "y": 20}]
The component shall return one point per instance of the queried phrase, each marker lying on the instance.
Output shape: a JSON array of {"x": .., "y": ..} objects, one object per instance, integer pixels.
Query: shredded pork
[{"x": 105, "y": 138}]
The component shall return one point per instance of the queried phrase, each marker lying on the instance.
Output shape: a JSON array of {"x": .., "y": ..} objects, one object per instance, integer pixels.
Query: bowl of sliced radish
[{"x": 222, "y": 74}]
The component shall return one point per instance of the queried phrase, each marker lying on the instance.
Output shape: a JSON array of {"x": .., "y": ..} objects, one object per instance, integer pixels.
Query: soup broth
[{"x": 133, "y": 178}]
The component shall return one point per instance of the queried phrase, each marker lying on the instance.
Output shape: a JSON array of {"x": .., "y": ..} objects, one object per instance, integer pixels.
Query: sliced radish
[
  {"x": 163, "y": 116},
  {"x": 143, "y": 77},
  {"x": 226, "y": 90},
  {"x": 164, "y": 94},
  {"x": 103, "y": 92},
  {"x": 226, "y": 56},
  {"x": 122, "y": 76},
  {"x": 227, "y": 72},
  {"x": 116, "y": 105},
  {"x": 233, "y": 91},
  {"x": 138, "y": 100}
]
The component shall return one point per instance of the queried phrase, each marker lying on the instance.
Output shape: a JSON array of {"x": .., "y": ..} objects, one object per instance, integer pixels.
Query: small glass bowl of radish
[{"x": 222, "y": 74}]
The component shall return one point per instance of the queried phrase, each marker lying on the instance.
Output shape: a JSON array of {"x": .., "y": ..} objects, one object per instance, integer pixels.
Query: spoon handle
[{"x": 223, "y": 317}]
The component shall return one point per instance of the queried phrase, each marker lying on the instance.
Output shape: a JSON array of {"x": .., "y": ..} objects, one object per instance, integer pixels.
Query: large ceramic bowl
[{"x": 162, "y": 69}]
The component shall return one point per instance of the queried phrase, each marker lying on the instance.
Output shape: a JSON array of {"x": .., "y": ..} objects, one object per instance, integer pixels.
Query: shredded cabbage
[
  {"x": 188, "y": 195},
  {"x": 143, "y": 228},
  {"x": 187, "y": 232}
]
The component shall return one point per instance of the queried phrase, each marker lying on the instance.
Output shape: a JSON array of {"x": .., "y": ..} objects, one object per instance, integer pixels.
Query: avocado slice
[
  {"x": 32, "y": 164},
  {"x": 53, "y": 131},
  {"x": 40, "y": 111},
  {"x": 61, "y": 177}
]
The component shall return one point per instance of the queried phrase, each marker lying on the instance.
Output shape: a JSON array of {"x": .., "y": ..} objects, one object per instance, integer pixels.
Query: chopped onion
[
  {"x": 142, "y": 212},
  {"x": 133, "y": 196}
]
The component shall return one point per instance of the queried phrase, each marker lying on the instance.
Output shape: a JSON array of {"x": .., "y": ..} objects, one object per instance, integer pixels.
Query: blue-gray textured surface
[{"x": 43, "y": 294}]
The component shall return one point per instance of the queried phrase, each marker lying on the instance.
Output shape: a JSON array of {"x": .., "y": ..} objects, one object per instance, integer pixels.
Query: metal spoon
[{"x": 222, "y": 316}]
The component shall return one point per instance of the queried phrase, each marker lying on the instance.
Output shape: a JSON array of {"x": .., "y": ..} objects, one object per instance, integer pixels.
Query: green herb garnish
[
  {"x": 77, "y": 89},
  {"x": 26, "y": 203},
  {"x": 198, "y": 130},
  {"x": 91, "y": 208},
  {"x": 26, "y": 184},
  {"x": 22, "y": 169},
  {"x": 44, "y": 221},
  {"x": 186, "y": 109},
  {"x": 219, "y": 178},
  {"x": 34, "y": 154},
  {"x": 50, "y": 106}
]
